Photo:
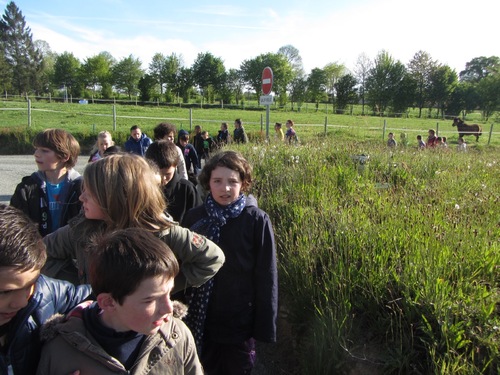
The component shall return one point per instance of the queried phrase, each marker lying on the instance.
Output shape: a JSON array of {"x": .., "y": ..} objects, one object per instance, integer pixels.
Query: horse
[{"x": 465, "y": 129}]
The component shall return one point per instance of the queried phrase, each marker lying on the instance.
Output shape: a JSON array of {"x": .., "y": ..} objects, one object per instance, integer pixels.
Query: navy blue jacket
[
  {"x": 244, "y": 299},
  {"x": 138, "y": 147},
  {"x": 50, "y": 297}
]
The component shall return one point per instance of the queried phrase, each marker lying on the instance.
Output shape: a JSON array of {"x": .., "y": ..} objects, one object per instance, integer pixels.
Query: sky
[{"x": 453, "y": 32}]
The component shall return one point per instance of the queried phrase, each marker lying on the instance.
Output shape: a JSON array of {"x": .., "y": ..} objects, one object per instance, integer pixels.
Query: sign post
[{"x": 267, "y": 99}]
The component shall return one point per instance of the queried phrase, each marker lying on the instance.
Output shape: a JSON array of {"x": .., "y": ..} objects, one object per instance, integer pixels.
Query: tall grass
[{"x": 394, "y": 265}]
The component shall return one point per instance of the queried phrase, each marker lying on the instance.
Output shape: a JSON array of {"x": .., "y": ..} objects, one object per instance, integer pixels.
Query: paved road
[{"x": 14, "y": 167}]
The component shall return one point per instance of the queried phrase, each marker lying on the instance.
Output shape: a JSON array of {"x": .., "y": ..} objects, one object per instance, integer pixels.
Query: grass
[{"x": 392, "y": 265}]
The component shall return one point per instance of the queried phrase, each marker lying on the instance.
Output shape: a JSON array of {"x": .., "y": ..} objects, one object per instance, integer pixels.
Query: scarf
[{"x": 210, "y": 226}]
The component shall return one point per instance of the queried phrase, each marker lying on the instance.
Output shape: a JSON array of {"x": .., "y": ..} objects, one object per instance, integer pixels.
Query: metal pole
[
  {"x": 491, "y": 132},
  {"x": 29, "y": 113},
  {"x": 383, "y": 130},
  {"x": 326, "y": 123},
  {"x": 114, "y": 117},
  {"x": 267, "y": 122},
  {"x": 190, "y": 118}
]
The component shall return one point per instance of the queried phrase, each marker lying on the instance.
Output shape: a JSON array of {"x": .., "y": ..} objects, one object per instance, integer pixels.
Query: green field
[{"x": 386, "y": 267}]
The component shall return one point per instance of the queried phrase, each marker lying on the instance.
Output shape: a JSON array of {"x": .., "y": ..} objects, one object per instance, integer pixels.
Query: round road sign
[{"x": 267, "y": 80}]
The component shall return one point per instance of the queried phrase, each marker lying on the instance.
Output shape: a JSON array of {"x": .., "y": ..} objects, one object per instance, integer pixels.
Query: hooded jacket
[
  {"x": 170, "y": 351},
  {"x": 244, "y": 299},
  {"x": 181, "y": 195},
  {"x": 50, "y": 297},
  {"x": 189, "y": 153},
  {"x": 199, "y": 257},
  {"x": 30, "y": 197},
  {"x": 138, "y": 147}
]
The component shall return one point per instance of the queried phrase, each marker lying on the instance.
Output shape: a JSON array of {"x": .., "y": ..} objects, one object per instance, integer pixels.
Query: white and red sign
[{"x": 267, "y": 80}]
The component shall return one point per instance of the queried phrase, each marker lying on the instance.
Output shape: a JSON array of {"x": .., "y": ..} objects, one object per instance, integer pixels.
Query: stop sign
[{"x": 267, "y": 80}]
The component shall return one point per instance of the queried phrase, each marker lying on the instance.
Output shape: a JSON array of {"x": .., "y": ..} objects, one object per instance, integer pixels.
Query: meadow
[{"x": 387, "y": 266}]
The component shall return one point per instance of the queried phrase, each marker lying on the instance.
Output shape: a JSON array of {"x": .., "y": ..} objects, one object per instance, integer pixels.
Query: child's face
[
  {"x": 104, "y": 143},
  {"x": 91, "y": 208},
  {"x": 170, "y": 137},
  {"x": 225, "y": 185},
  {"x": 47, "y": 160},
  {"x": 145, "y": 310},
  {"x": 166, "y": 175},
  {"x": 136, "y": 134},
  {"x": 16, "y": 288}
]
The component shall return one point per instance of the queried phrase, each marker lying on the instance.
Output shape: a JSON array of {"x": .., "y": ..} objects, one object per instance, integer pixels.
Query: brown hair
[
  {"x": 61, "y": 142},
  {"x": 163, "y": 153}
]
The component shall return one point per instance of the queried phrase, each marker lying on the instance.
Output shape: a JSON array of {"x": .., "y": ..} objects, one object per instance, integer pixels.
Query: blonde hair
[
  {"x": 126, "y": 189},
  {"x": 102, "y": 134}
]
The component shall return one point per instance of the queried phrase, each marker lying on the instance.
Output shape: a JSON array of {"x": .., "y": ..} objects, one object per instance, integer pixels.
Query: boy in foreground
[
  {"x": 131, "y": 327},
  {"x": 27, "y": 299}
]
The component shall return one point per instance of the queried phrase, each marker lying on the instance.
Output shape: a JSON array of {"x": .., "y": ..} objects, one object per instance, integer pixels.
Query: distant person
[
  {"x": 138, "y": 142},
  {"x": 133, "y": 326},
  {"x": 104, "y": 141},
  {"x": 239, "y": 136},
  {"x": 444, "y": 142},
  {"x": 391, "y": 142},
  {"x": 198, "y": 143},
  {"x": 208, "y": 145},
  {"x": 240, "y": 305},
  {"x": 50, "y": 196},
  {"x": 166, "y": 131},
  {"x": 404, "y": 139},
  {"x": 189, "y": 153},
  {"x": 420, "y": 143},
  {"x": 279, "y": 135},
  {"x": 121, "y": 191},
  {"x": 431, "y": 139},
  {"x": 461, "y": 146},
  {"x": 27, "y": 299},
  {"x": 181, "y": 195},
  {"x": 223, "y": 135},
  {"x": 290, "y": 135}
]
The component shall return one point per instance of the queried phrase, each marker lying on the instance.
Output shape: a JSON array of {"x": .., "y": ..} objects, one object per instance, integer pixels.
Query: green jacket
[
  {"x": 199, "y": 258},
  {"x": 69, "y": 347}
]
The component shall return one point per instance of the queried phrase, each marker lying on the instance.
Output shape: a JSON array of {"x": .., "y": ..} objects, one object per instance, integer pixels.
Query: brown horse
[{"x": 465, "y": 129}]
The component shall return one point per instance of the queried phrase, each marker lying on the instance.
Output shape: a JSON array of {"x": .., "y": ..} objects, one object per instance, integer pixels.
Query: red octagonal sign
[{"x": 267, "y": 80}]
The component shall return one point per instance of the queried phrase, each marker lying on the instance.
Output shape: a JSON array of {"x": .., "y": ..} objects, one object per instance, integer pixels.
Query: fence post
[
  {"x": 29, "y": 113},
  {"x": 114, "y": 117},
  {"x": 190, "y": 118},
  {"x": 491, "y": 132},
  {"x": 437, "y": 129},
  {"x": 326, "y": 123},
  {"x": 383, "y": 130},
  {"x": 261, "y": 122}
]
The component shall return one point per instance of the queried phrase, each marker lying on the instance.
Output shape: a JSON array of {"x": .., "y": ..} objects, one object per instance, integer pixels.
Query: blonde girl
[
  {"x": 120, "y": 191},
  {"x": 104, "y": 141}
]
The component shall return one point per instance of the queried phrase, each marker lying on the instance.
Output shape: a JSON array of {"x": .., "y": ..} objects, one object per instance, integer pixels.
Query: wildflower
[{"x": 457, "y": 207}]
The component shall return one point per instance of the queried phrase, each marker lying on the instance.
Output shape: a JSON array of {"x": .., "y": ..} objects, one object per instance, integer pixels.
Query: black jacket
[
  {"x": 50, "y": 297},
  {"x": 181, "y": 195},
  {"x": 244, "y": 300},
  {"x": 29, "y": 197}
]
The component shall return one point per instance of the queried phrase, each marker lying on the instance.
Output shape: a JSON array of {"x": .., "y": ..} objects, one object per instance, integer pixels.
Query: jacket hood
[
  {"x": 251, "y": 201},
  {"x": 71, "y": 175},
  {"x": 50, "y": 328},
  {"x": 182, "y": 133}
]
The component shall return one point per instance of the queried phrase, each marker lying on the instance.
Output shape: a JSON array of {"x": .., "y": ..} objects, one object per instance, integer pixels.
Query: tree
[
  {"x": 147, "y": 88},
  {"x": 346, "y": 91},
  {"x": 361, "y": 70},
  {"x": 66, "y": 72},
  {"x": 157, "y": 70},
  {"x": 234, "y": 86},
  {"x": 383, "y": 81},
  {"x": 479, "y": 68},
  {"x": 96, "y": 71},
  {"x": 5, "y": 73},
  {"x": 185, "y": 83},
  {"x": 126, "y": 75},
  {"x": 209, "y": 74},
  {"x": 316, "y": 86},
  {"x": 443, "y": 82},
  {"x": 46, "y": 73},
  {"x": 173, "y": 64},
  {"x": 19, "y": 50},
  {"x": 488, "y": 90},
  {"x": 333, "y": 72},
  {"x": 298, "y": 90},
  {"x": 420, "y": 69}
]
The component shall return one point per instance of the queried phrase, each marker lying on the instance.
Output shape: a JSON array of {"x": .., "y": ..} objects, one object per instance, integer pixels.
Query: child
[
  {"x": 198, "y": 143},
  {"x": 189, "y": 153},
  {"x": 132, "y": 326},
  {"x": 404, "y": 139},
  {"x": 104, "y": 141},
  {"x": 50, "y": 195},
  {"x": 291, "y": 135},
  {"x": 208, "y": 144},
  {"x": 240, "y": 136},
  {"x": 279, "y": 136},
  {"x": 462, "y": 146},
  {"x": 223, "y": 135},
  {"x": 166, "y": 131},
  {"x": 138, "y": 142},
  {"x": 121, "y": 191},
  {"x": 27, "y": 299},
  {"x": 391, "y": 142},
  {"x": 431, "y": 139},
  {"x": 180, "y": 194},
  {"x": 421, "y": 143},
  {"x": 244, "y": 299}
]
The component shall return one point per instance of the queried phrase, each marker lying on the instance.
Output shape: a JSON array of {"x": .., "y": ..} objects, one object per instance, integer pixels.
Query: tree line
[{"x": 380, "y": 85}]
